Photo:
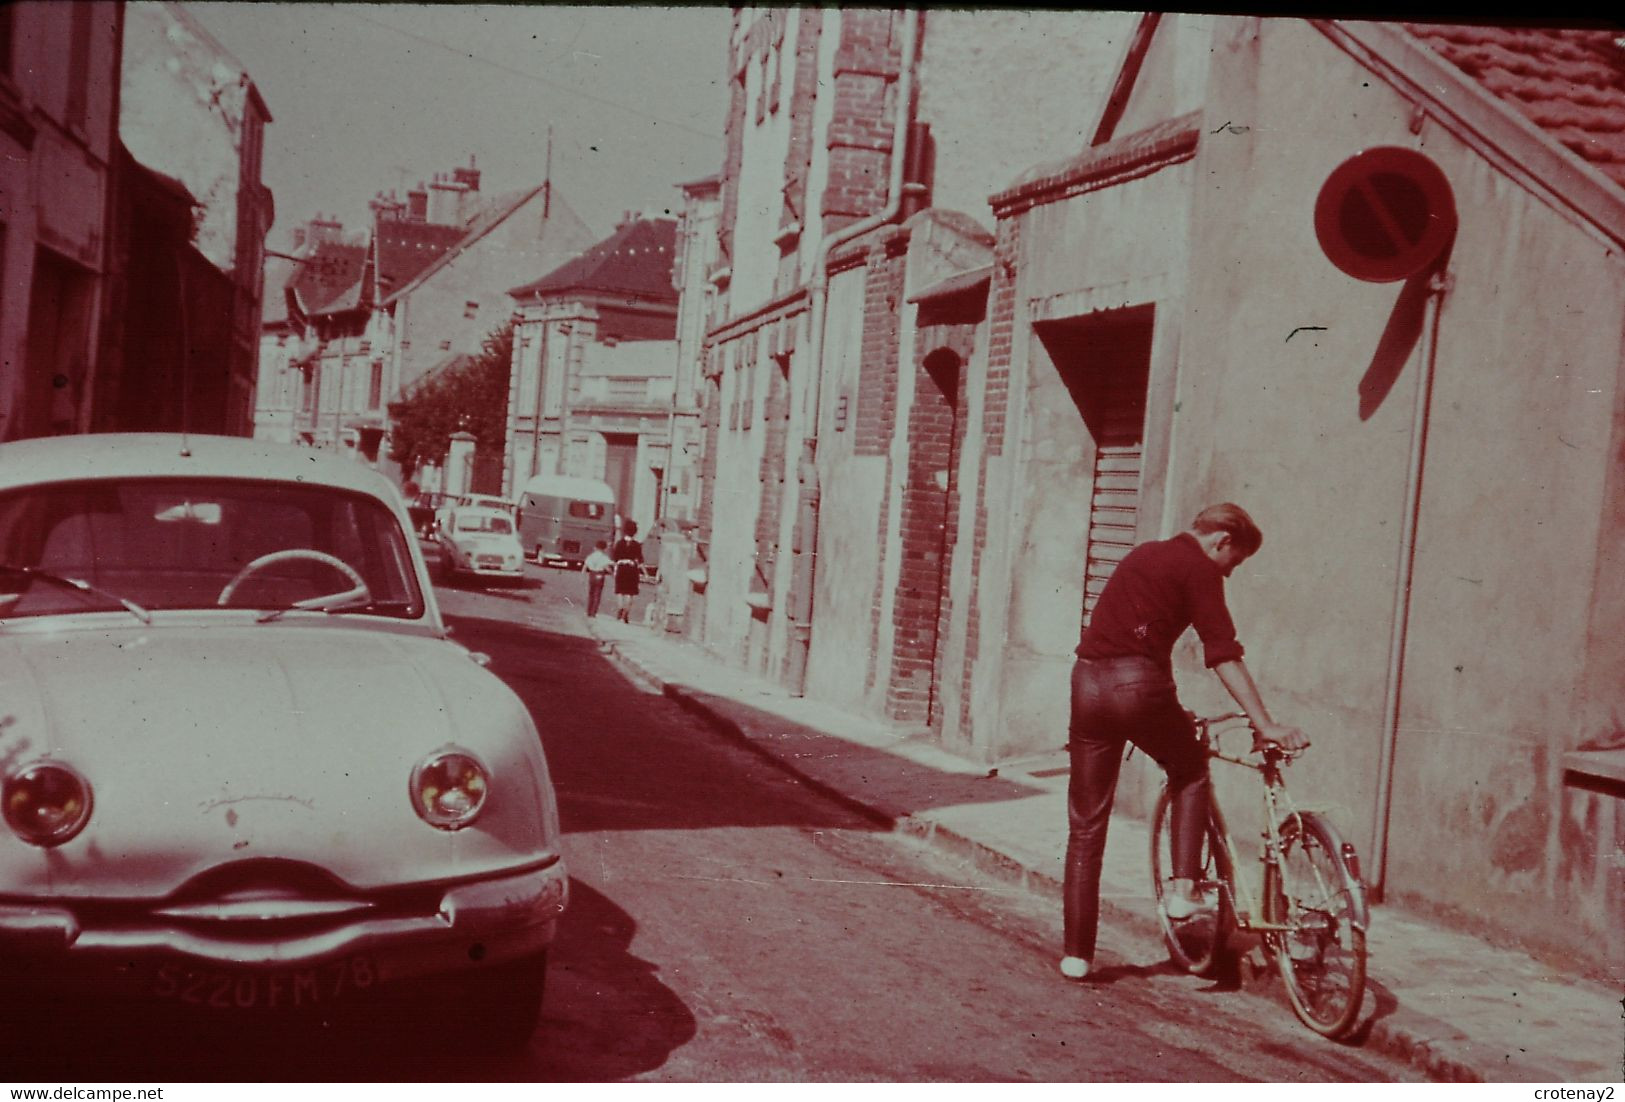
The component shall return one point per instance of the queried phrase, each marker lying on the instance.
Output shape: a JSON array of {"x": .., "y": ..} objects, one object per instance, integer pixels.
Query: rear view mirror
[{"x": 202, "y": 512}]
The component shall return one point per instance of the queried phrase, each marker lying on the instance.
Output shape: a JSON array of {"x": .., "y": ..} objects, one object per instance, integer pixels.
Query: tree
[{"x": 469, "y": 393}]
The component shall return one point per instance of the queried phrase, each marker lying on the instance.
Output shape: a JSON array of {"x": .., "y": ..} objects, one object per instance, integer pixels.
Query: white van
[{"x": 561, "y": 517}]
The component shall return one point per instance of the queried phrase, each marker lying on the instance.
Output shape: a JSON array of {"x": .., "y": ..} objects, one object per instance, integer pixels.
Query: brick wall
[
  {"x": 1002, "y": 313},
  {"x": 710, "y": 421},
  {"x": 776, "y": 422},
  {"x": 930, "y": 504},
  {"x": 859, "y": 138},
  {"x": 996, "y": 402},
  {"x": 798, "y": 157},
  {"x": 875, "y": 418}
]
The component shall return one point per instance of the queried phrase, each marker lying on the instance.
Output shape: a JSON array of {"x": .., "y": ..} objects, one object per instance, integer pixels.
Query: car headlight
[
  {"x": 46, "y": 803},
  {"x": 449, "y": 789}
]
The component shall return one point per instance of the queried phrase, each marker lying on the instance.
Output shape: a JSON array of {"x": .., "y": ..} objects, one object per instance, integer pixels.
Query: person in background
[
  {"x": 628, "y": 556},
  {"x": 598, "y": 566}
]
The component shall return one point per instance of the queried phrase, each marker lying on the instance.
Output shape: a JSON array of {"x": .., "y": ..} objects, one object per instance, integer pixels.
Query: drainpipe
[
  {"x": 1439, "y": 285},
  {"x": 805, "y": 543}
]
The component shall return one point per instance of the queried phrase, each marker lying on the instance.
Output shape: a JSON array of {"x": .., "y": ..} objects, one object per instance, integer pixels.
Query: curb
[{"x": 1431, "y": 1045}]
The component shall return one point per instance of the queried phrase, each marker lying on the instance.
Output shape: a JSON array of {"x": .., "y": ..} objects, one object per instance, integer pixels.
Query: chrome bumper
[{"x": 483, "y": 921}]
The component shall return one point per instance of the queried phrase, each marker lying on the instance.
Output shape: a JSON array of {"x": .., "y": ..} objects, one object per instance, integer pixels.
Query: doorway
[
  {"x": 621, "y": 469},
  {"x": 1104, "y": 361}
]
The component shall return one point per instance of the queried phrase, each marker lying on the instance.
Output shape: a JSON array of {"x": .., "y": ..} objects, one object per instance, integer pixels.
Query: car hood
[{"x": 225, "y": 743}]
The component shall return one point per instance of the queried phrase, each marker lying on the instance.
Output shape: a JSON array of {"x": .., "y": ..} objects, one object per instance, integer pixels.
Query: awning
[{"x": 963, "y": 282}]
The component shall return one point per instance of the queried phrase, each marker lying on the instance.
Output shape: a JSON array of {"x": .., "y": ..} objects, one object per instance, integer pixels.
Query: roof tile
[
  {"x": 1570, "y": 82},
  {"x": 330, "y": 277},
  {"x": 405, "y": 248},
  {"x": 635, "y": 260}
]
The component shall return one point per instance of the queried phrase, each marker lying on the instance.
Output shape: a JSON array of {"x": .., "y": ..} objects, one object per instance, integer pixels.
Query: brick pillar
[
  {"x": 776, "y": 421},
  {"x": 875, "y": 421},
  {"x": 798, "y": 157},
  {"x": 930, "y": 504},
  {"x": 859, "y": 139},
  {"x": 995, "y": 403}
]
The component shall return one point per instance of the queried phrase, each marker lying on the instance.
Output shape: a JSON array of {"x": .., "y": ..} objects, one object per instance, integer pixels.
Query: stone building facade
[
  {"x": 185, "y": 354},
  {"x": 594, "y": 357},
  {"x": 1127, "y": 314},
  {"x": 59, "y": 105}
]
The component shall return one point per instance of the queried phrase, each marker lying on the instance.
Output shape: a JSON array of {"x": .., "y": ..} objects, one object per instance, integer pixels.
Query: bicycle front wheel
[
  {"x": 1195, "y": 944},
  {"x": 1321, "y": 955}
]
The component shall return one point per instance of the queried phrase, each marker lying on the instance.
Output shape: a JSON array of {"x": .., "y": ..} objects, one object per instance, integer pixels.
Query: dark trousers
[
  {"x": 1117, "y": 701},
  {"x": 595, "y": 592}
]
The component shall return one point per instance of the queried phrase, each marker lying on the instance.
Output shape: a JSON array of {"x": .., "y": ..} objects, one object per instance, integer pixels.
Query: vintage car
[
  {"x": 479, "y": 543},
  {"x": 487, "y": 501},
  {"x": 243, "y": 769},
  {"x": 561, "y": 517}
]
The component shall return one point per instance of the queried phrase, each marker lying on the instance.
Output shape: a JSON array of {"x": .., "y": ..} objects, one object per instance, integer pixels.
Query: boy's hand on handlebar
[{"x": 1288, "y": 738}]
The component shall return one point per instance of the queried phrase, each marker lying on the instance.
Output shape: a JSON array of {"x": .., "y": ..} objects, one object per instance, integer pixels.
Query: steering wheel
[{"x": 359, "y": 593}]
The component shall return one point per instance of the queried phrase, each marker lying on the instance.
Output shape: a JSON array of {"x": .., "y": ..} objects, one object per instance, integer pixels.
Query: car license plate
[{"x": 283, "y": 989}]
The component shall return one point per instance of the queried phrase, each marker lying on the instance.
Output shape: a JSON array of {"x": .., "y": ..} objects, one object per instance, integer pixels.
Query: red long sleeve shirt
[{"x": 1157, "y": 591}]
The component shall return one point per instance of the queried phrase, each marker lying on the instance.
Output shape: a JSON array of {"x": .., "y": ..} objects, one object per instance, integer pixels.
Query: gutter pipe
[
  {"x": 805, "y": 542},
  {"x": 1439, "y": 285}
]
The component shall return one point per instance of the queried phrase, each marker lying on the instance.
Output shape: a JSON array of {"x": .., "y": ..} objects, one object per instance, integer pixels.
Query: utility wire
[{"x": 557, "y": 86}]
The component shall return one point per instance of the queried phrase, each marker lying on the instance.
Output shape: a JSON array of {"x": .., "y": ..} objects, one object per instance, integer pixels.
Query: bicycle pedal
[{"x": 1302, "y": 950}]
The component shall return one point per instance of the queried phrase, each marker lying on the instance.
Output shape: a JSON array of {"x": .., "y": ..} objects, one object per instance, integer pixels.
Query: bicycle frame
[{"x": 1252, "y": 913}]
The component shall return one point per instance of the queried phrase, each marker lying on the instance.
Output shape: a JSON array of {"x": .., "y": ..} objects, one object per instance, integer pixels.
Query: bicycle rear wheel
[
  {"x": 1195, "y": 944},
  {"x": 1322, "y": 955}
]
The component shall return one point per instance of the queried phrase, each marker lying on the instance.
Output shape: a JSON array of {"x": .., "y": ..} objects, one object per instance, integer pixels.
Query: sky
[{"x": 369, "y": 97}]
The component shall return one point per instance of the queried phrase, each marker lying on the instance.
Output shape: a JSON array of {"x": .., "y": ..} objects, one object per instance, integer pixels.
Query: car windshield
[
  {"x": 483, "y": 522},
  {"x": 202, "y": 543}
]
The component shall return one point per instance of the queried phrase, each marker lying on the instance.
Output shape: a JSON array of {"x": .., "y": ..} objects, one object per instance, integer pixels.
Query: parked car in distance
[
  {"x": 487, "y": 501},
  {"x": 243, "y": 768},
  {"x": 479, "y": 543},
  {"x": 561, "y": 517}
]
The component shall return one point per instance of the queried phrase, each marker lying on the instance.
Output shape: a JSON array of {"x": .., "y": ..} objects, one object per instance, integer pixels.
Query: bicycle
[{"x": 1310, "y": 911}]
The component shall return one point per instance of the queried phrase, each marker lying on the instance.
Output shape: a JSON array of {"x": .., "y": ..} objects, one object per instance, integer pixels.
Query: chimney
[
  {"x": 446, "y": 200},
  {"x": 324, "y": 230},
  {"x": 919, "y": 168},
  {"x": 469, "y": 176},
  {"x": 417, "y": 204},
  {"x": 385, "y": 208}
]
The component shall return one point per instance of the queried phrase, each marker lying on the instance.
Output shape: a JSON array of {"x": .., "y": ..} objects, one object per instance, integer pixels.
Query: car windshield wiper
[
  {"x": 353, "y": 604},
  {"x": 77, "y": 585}
]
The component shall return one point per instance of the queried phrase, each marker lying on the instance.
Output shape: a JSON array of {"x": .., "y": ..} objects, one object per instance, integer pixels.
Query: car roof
[
  {"x": 481, "y": 510},
  {"x": 171, "y": 455},
  {"x": 564, "y": 485}
]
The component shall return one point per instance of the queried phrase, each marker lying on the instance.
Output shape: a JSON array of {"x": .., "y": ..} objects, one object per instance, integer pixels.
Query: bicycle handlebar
[{"x": 1272, "y": 752}]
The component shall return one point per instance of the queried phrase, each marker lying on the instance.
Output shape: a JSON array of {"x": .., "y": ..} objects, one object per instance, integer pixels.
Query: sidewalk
[{"x": 1450, "y": 1004}]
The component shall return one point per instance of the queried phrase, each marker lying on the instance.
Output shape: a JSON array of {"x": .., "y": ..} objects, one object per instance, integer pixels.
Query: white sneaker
[
  {"x": 1074, "y": 968},
  {"x": 1179, "y": 908}
]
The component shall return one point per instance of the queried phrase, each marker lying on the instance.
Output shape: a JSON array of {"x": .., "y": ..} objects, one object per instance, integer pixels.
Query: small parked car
[
  {"x": 487, "y": 501},
  {"x": 479, "y": 543},
  {"x": 243, "y": 768}
]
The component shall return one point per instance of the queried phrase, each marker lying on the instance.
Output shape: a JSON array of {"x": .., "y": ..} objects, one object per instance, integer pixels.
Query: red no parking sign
[{"x": 1385, "y": 214}]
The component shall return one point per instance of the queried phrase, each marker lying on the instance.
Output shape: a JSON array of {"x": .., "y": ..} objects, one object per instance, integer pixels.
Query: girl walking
[{"x": 628, "y": 556}]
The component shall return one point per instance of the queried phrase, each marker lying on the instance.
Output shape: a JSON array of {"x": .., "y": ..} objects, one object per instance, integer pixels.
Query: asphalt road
[{"x": 727, "y": 924}]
